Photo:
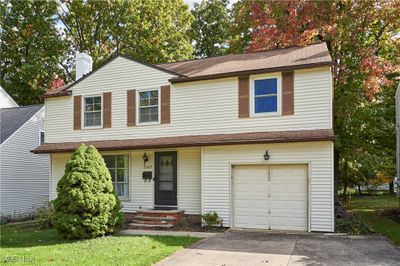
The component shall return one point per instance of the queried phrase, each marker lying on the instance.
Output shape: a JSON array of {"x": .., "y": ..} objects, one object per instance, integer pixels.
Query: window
[
  {"x": 92, "y": 111},
  {"x": 148, "y": 106},
  {"x": 266, "y": 95},
  {"x": 41, "y": 137},
  {"x": 118, "y": 165}
]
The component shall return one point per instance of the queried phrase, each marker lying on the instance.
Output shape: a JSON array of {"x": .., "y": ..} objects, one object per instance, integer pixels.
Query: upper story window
[
  {"x": 149, "y": 106},
  {"x": 266, "y": 96},
  {"x": 118, "y": 165},
  {"x": 92, "y": 111}
]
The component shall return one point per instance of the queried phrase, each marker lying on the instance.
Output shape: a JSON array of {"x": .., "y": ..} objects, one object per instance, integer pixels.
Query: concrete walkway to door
[{"x": 266, "y": 248}]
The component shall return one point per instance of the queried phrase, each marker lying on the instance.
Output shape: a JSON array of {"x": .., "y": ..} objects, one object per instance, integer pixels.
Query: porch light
[
  {"x": 266, "y": 155},
  {"x": 145, "y": 159}
]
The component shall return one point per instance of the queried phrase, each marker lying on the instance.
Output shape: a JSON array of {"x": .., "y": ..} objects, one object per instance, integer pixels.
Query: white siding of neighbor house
[
  {"x": 5, "y": 100},
  {"x": 203, "y": 107},
  {"x": 218, "y": 161},
  {"x": 142, "y": 193},
  {"x": 398, "y": 132},
  {"x": 24, "y": 175}
]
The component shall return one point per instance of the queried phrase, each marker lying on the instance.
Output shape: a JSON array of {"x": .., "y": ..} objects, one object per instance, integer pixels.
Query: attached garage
[{"x": 270, "y": 197}]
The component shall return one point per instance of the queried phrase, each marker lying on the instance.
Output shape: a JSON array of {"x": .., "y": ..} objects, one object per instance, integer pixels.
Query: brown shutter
[
  {"x": 165, "y": 104},
  {"x": 287, "y": 93},
  {"x": 106, "y": 109},
  {"x": 77, "y": 112},
  {"x": 244, "y": 90},
  {"x": 131, "y": 108}
]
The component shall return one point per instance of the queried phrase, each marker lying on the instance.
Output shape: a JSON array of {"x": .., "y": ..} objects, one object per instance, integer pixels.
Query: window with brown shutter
[
  {"x": 77, "y": 112},
  {"x": 131, "y": 108},
  {"x": 107, "y": 110},
  {"x": 288, "y": 93},
  {"x": 165, "y": 104},
  {"x": 244, "y": 91}
]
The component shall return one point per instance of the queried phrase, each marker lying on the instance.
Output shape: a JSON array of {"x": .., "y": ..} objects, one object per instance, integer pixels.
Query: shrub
[
  {"x": 44, "y": 215},
  {"x": 210, "y": 218},
  {"x": 352, "y": 226},
  {"x": 86, "y": 205}
]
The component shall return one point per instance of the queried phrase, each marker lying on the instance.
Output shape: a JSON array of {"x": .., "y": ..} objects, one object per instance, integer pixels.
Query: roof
[
  {"x": 13, "y": 118},
  {"x": 64, "y": 90},
  {"x": 282, "y": 59},
  {"x": 195, "y": 140}
]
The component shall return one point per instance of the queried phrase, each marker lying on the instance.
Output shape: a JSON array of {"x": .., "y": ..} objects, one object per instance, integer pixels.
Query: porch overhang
[{"x": 194, "y": 141}]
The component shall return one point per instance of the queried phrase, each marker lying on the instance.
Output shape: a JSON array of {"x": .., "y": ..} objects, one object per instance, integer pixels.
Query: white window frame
[
  {"x": 83, "y": 112},
  {"x": 138, "y": 107},
  {"x": 278, "y": 78},
  {"x": 129, "y": 174}
]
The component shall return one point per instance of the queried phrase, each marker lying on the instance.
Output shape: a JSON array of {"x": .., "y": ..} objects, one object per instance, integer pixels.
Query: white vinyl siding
[
  {"x": 24, "y": 175},
  {"x": 141, "y": 193},
  {"x": 203, "y": 107},
  {"x": 216, "y": 181}
]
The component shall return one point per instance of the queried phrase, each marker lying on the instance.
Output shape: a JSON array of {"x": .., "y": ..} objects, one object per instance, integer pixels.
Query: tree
[
  {"x": 210, "y": 28},
  {"x": 361, "y": 38},
  {"x": 30, "y": 48},
  {"x": 149, "y": 30},
  {"x": 86, "y": 205},
  {"x": 240, "y": 27}
]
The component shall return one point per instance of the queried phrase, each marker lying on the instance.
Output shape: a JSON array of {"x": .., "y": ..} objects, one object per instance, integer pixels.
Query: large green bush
[{"x": 86, "y": 205}]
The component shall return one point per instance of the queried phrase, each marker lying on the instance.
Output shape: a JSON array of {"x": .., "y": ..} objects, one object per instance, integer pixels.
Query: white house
[
  {"x": 5, "y": 100},
  {"x": 248, "y": 136},
  {"x": 24, "y": 176},
  {"x": 397, "y": 179}
]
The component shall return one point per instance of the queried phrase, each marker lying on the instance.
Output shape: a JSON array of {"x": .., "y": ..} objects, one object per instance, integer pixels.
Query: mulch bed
[
  {"x": 196, "y": 227},
  {"x": 393, "y": 214}
]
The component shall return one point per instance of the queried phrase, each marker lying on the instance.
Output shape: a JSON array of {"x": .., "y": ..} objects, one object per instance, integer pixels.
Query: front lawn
[
  {"x": 369, "y": 209},
  {"x": 22, "y": 244}
]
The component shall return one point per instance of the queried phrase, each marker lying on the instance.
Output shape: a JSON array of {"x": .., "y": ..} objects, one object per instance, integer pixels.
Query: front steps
[{"x": 156, "y": 219}]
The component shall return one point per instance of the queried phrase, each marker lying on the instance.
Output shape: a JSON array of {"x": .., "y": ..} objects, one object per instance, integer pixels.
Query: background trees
[
  {"x": 31, "y": 48},
  {"x": 362, "y": 36}
]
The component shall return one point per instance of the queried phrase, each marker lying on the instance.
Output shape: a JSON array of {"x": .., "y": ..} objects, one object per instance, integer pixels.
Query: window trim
[
  {"x": 124, "y": 199},
  {"x": 101, "y": 112},
  {"x": 278, "y": 77},
  {"x": 158, "y": 122}
]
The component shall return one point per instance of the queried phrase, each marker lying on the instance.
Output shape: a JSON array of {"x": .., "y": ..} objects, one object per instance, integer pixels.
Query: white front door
[{"x": 270, "y": 197}]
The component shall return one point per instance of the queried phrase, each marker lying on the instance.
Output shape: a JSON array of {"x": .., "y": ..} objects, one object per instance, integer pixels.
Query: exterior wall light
[
  {"x": 145, "y": 158},
  {"x": 266, "y": 155}
]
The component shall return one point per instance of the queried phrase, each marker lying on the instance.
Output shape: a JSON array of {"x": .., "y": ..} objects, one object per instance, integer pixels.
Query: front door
[{"x": 165, "y": 180}]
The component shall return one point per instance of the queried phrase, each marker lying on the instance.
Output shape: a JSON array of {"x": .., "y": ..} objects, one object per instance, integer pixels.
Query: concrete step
[
  {"x": 154, "y": 218},
  {"x": 149, "y": 226},
  {"x": 149, "y": 222}
]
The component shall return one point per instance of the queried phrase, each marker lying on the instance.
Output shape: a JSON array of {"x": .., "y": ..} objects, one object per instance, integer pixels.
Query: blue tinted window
[
  {"x": 265, "y": 96},
  {"x": 265, "y": 86}
]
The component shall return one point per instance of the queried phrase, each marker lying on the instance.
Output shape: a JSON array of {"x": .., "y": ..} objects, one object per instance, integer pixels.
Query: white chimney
[{"x": 83, "y": 63}]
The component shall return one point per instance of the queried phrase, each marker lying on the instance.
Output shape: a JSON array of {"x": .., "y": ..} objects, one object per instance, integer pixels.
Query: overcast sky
[{"x": 191, "y": 2}]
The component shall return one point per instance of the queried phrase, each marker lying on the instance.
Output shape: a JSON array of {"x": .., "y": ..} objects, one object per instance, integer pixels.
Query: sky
[{"x": 191, "y": 2}]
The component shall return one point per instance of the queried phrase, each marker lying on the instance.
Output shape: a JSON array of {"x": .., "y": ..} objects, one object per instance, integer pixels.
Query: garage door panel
[{"x": 273, "y": 197}]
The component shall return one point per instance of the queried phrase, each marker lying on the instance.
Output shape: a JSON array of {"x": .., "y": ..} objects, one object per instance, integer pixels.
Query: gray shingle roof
[{"x": 13, "y": 118}]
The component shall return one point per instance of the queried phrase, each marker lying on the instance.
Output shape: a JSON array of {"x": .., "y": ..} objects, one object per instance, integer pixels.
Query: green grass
[
  {"x": 46, "y": 247},
  {"x": 369, "y": 207}
]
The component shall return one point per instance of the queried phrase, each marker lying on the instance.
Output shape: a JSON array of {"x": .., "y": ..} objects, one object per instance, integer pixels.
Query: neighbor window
[
  {"x": 41, "y": 137},
  {"x": 148, "y": 106},
  {"x": 118, "y": 165},
  {"x": 266, "y": 95},
  {"x": 92, "y": 111}
]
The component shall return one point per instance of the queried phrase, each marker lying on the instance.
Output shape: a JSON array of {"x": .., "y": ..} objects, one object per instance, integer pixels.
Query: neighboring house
[
  {"x": 24, "y": 176},
  {"x": 248, "y": 136},
  {"x": 5, "y": 100}
]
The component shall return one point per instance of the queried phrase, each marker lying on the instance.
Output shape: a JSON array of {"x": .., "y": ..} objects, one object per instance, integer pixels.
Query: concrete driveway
[{"x": 266, "y": 248}]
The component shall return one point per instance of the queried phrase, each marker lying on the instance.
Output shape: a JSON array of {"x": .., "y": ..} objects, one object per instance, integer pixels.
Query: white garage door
[{"x": 270, "y": 197}]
